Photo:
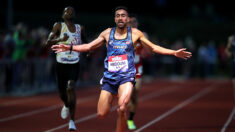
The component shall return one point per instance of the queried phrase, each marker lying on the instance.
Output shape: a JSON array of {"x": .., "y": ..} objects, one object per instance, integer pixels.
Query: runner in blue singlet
[
  {"x": 119, "y": 62},
  {"x": 119, "y": 71}
]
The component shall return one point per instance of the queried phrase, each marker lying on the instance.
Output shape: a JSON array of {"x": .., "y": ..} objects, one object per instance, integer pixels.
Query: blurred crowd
[
  {"x": 28, "y": 65},
  {"x": 208, "y": 60},
  {"x": 25, "y": 62}
]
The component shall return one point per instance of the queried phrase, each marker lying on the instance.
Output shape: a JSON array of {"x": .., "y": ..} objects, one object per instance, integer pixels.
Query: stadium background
[{"x": 201, "y": 26}]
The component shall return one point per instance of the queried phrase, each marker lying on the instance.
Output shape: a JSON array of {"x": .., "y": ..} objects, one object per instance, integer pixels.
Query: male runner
[
  {"x": 119, "y": 73},
  {"x": 67, "y": 66}
]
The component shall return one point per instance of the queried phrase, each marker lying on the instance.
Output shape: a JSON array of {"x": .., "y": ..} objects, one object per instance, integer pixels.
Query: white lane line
[
  {"x": 21, "y": 115},
  {"x": 159, "y": 93},
  {"x": 143, "y": 98},
  {"x": 231, "y": 116},
  {"x": 94, "y": 115},
  {"x": 77, "y": 121},
  {"x": 179, "y": 106}
]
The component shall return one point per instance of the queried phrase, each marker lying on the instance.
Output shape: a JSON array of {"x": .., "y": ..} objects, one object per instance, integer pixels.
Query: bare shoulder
[
  {"x": 105, "y": 32},
  {"x": 137, "y": 32},
  {"x": 56, "y": 27},
  {"x": 57, "y": 24}
]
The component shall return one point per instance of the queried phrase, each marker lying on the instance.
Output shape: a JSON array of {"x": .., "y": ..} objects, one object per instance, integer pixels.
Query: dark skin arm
[{"x": 54, "y": 35}]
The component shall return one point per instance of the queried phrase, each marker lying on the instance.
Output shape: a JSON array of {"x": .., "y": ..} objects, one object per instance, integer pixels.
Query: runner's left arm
[{"x": 181, "y": 53}]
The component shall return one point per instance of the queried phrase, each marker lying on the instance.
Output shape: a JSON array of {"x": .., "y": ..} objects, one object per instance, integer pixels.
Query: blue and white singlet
[{"x": 119, "y": 62}]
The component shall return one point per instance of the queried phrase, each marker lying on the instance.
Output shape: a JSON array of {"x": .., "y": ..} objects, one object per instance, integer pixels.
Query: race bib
[{"x": 118, "y": 63}]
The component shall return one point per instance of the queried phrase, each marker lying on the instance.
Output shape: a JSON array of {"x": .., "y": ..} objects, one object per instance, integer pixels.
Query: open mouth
[{"x": 121, "y": 22}]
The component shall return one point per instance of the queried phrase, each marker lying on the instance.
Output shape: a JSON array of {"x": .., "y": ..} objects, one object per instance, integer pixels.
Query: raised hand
[{"x": 182, "y": 53}]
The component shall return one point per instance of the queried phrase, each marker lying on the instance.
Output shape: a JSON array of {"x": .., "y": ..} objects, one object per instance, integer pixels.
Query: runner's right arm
[
  {"x": 54, "y": 35},
  {"x": 83, "y": 47}
]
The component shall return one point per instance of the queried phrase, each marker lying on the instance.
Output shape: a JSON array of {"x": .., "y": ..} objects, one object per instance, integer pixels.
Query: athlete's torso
[
  {"x": 68, "y": 57},
  {"x": 119, "y": 62}
]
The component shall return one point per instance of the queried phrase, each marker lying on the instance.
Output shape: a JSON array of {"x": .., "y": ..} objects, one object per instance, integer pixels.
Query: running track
[{"x": 165, "y": 106}]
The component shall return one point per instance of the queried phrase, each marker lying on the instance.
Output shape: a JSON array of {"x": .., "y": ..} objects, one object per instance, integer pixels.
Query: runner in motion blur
[{"x": 67, "y": 66}]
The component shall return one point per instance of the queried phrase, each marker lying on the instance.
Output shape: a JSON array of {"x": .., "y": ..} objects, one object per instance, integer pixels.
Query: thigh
[
  {"x": 105, "y": 102},
  {"x": 61, "y": 79},
  {"x": 73, "y": 71},
  {"x": 124, "y": 93}
]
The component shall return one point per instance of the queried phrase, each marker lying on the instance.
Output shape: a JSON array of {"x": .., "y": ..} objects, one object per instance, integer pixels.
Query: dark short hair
[{"x": 121, "y": 8}]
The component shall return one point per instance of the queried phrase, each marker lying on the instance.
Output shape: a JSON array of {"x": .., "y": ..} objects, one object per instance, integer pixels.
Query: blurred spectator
[
  {"x": 202, "y": 60},
  {"x": 190, "y": 65},
  {"x": 21, "y": 43},
  {"x": 222, "y": 58},
  {"x": 177, "y": 66},
  {"x": 9, "y": 43},
  {"x": 212, "y": 59}
]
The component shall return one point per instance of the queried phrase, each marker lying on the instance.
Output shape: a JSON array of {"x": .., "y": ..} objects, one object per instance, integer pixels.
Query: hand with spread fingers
[
  {"x": 60, "y": 48},
  {"x": 182, "y": 53}
]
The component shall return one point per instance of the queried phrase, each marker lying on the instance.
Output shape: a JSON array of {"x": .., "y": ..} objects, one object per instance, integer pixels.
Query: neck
[
  {"x": 69, "y": 22},
  {"x": 121, "y": 30}
]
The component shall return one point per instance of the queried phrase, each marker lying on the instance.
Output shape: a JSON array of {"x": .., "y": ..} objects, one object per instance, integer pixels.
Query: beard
[{"x": 121, "y": 26}]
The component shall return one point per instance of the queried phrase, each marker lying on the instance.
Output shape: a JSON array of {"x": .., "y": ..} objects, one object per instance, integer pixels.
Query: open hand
[
  {"x": 60, "y": 48},
  {"x": 182, "y": 53}
]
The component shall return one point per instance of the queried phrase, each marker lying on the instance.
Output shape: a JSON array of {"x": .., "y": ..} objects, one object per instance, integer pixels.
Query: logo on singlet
[
  {"x": 128, "y": 42},
  {"x": 110, "y": 42},
  {"x": 120, "y": 47}
]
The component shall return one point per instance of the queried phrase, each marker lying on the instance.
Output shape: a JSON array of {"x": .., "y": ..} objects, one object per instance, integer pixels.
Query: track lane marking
[
  {"x": 179, "y": 106},
  {"x": 21, "y": 115},
  {"x": 143, "y": 98},
  {"x": 231, "y": 116}
]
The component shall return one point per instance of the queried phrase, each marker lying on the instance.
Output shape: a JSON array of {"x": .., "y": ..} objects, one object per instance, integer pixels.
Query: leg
[
  {"x": 134, "y": 97},
  {"x": 61, "y": 80},
  {"x": 71, "y": 98},
  {"x": 63, "y": 92},
  {"x": 104, "y": 103},
  {"x": 124, "y": 92},
  {"x": 133, "y": 104}
]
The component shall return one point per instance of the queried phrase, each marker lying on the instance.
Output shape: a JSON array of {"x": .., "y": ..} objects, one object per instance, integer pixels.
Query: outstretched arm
[
  {"x": 81, "y": 48},
  {"x": 181, "y": 53}
]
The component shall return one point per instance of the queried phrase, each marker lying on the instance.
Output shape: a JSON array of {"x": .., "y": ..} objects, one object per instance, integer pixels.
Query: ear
[{"x": 128, "y": 19}]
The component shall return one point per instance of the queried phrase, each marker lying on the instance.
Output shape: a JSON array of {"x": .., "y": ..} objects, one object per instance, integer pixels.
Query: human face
[
  {"x": 68, "y": 13},
  {"x": 121, "y": 18}
]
